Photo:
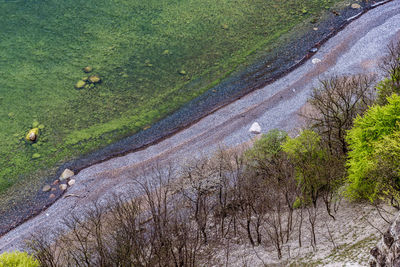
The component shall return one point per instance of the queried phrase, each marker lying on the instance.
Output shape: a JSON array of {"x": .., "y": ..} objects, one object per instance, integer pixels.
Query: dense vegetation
[
  {"x": 153, "y": 56},
  {"x": 17, "y": 259}
]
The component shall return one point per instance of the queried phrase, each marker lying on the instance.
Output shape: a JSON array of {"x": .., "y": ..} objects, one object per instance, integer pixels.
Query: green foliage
[
  {"x": 385, "y": 89},
  {"x": 17, "y": 259},
  {"x": 310, "y": 160},
  {"x": 375, "y": 151},
  {"x": 267, "y": 146}
]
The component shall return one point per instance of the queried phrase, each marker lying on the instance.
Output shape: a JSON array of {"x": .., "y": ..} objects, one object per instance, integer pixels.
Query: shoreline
[{"x": 228, "y": 91}]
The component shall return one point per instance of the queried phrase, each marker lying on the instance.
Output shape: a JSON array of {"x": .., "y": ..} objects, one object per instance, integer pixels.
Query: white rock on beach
[
  {"x": 255, "y": 128},
  {"x": 63, "y": 187},
  {"x": 316, "y": 60},
  {"x": 71, "y": 182},
  {"x": 67, "y": 173}
]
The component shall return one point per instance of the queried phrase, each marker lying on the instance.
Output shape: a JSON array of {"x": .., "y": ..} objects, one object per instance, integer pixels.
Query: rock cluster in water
[{"x": 88, "y": 82}]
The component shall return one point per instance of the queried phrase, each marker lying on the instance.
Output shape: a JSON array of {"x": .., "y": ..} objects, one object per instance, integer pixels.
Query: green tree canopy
[
  {"x": 17, "y": 259},
  {"x": 373, "y": 161}
]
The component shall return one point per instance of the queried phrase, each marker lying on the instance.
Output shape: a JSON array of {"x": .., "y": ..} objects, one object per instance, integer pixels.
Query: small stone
[
  {"x": 56, "y": 182},
  {"x": 182, "y": 72},
  {"x": 32, "y": 135},
  {"x": 316, "y": 60},
  {"x": 94, "y": 79},
  {"x": 255, "y": 128},
  {"x": 315, "y": 29},
  {"x": 63, "y": 187},
  {"x": 53, "y": 189},
  {"x": 80, "y": 84},
  {"x": 46, "y": 188},
  {"x": 355, "y": 6},
  {"x": 71, "y": 182},
  {"x": 67, "y": 173},
  {"x": 313, "y": 50},
  {"x": 87, "y": 69},
  {"x": 52, "y": 196}
]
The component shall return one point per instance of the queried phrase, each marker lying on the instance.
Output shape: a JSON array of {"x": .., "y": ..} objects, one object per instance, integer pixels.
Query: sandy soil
[{"x": 356, "y": 49}]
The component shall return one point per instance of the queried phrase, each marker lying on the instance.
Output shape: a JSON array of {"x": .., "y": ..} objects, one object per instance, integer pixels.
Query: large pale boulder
[{"x": 255, "y": 128}]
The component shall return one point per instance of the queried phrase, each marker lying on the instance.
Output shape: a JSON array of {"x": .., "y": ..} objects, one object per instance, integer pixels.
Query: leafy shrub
[
  {"x": 385, "y": 89},
  {"x": 17, "y": 259},
  {"x": 375, "y": 153},
  {"x": 266, "y": 147}
]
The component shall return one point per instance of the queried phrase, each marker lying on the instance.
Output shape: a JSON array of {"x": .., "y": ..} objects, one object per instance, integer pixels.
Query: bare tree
[
  {"x": 334, "y": 106},
  {"x": 390, "y": 64}
]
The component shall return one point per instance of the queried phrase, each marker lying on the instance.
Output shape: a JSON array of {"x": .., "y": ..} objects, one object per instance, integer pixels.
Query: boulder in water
[
  {"x": 80, "y": 84},
  {"x": 32, "y": 135},
  {"x": 94, "y": 79}
]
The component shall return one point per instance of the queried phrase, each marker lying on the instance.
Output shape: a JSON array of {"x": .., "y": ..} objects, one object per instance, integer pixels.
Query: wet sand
[{"x": 356, "y": 49}]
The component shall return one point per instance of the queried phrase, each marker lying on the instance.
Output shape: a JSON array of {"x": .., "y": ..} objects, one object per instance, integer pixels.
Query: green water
[{"x": 145, "y": 51}]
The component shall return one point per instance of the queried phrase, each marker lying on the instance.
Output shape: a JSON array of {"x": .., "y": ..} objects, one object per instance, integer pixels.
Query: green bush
[
  {"x": 385, "y": 89},
  {"x": 17, "y": 259},
  {"x": 309, "y": 159},
  {"x": 374, "y": 168},
  {"x": 266, "y": 147}
]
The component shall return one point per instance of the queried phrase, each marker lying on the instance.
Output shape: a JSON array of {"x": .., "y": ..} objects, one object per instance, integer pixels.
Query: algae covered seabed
[{"x": 153, "y": 57}]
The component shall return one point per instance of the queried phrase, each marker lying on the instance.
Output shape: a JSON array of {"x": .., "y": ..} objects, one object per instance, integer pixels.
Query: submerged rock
[
  {"x": 88, "y": 69},
  {"x": 80, "y": 84},
  {"x": 32, "y": 135},
  {"x": 94, "y": 79},
  {"x": 355, "y": 6}
]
